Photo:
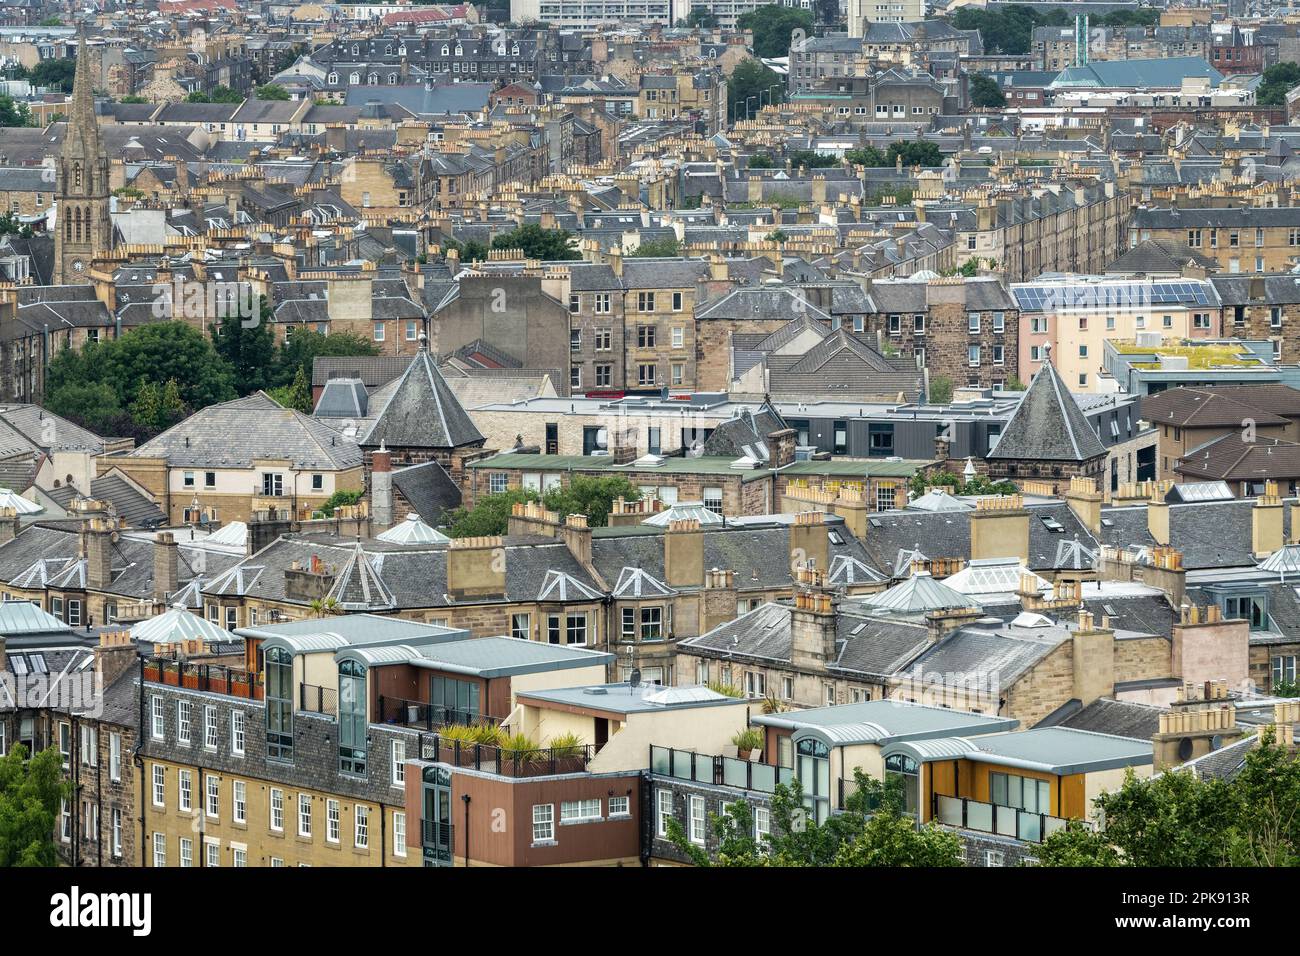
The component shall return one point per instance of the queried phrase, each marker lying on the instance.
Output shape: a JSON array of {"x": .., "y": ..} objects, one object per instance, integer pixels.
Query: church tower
[{"x": 84, "y": 228}]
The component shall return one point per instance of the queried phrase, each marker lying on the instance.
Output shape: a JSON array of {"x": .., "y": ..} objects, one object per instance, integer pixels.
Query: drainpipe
[
  {"x": 138, "y": 762},
  {"x": 465, "y": 798}
]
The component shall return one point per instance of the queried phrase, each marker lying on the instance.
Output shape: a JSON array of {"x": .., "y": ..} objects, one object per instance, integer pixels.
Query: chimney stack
[
  {"x": 166, "y": 567},
  {"x": 476, "y": 568},
  {"x": 381, "y": 488},
  {"x": 1266, "y": 522},
  {"x": 684, "y": 554},
  {"x": 809, "y": 542},
  {"x": 812, "y": 629},
  {"x": 999, "y": 528}
]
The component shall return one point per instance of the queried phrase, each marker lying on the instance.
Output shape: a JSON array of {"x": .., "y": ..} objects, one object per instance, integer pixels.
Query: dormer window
[
  {"x": 355, "y": 79},
  {"x": 392, "y": 79},
  {"x": 459, "y": 50},
  {"x": 332, "y": 79},
  {"x": 388, "y": 49},
  {"x": 445, "y": 49},
  {"x": 356, "y": 50}
]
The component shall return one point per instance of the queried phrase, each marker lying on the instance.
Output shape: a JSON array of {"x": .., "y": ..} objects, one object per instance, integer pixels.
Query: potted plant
[{"x": 747, "y": 741}]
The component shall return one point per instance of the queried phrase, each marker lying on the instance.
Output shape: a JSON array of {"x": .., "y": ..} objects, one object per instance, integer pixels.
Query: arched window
[
  {"x": 392, "y": 79},
  {"x": 76, "y": 175},
  {"x": 355, "y": 49},
  {"x": 355, "y": 79},
  {"x": 332, "y": 79},
  {"x": 279, "y": 704},
  {"x": 904, "y": 769},
  {"x": 352, "y": 717},
  {"x": 373, "y": 79},
  {"x": 514, "y": 50},
  {"x": 76, "y": 224}
]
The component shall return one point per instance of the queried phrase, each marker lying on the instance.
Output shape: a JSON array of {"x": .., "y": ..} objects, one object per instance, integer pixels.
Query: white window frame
[
  {"x": 361, "y": 827},
  {"x": 543, "y": 823},
  {"x": 399, "y": 833},
  {"x": 239, "y": 801},
  {"x": 697, "y": 820},
  {"x": 304, "y": 815},
  {"x": 238, "y": 732},
  {"x": 276, "y": 810},
  {"x": 333, "y": 821}
]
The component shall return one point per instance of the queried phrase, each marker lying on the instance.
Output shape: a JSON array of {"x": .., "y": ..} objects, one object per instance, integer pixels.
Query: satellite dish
[
  {"x": 636, "y": 677},
  {"x": 1185, "y": 748}
]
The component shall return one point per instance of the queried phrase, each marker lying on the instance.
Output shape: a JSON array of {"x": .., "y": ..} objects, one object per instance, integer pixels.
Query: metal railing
[
  {"x": 994, "y": 818},
  {"x": 211, "y": 678},
  {"x": 720, "y": 771},
  {"x": 318, "y": 700},
  {"x": 504, "y": 761},
  {"x": 414, "y": 713}
]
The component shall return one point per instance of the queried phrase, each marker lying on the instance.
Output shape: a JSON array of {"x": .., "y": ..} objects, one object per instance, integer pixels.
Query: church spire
[
  {"x": 84, "y": 227},
  {"x": 81, "y": 140}
]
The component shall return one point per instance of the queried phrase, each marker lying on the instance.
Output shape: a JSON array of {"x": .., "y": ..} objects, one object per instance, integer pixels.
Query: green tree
[
  {"x": 489, "y": 517},
  {"x": 660, "y": 248},
  {"x": 772, "y": 26},
  {"x": 1276, "y": 82},
  {"x": 158, "y": 407},
  {"x": 469, "y": 251},
  {"x": 93, "y": 405},
  {"x": 761, "y": 161},
  {"x": 247, "y": 349},
  {"x": 1077, "y": 845},
  {"x": 866, "y": 156},
  {"x": 538, "y": 243},
  {"x": 812, "y": 160},
  {"x": 296, "y": 395},
  {"x": 13, "y": 113},
  {"x": 218, "y": 94},
  {"x": 272, "y": 91},
  {"x": 9, "y": 225},
  {"x": 985, "y": 93},
  {"x": 914, "y": 153},
  {"x": 55, "y": 74},
  {"x": 299, "y": 351},
  {"x": 340, "y": 498},
  {"x": 940, "y": 390},
  {"x": 891, "y": 838},
  {"x": 51, "y": 22},
  {"x": 1267, "y": 820},
  {"x": 699, "y": 17},
  {"x": 133, "y": 99},
  {"x": 593, "y": 497},
  {"x": 747, "y": 85},
  {"x": 30, "y": 794}
]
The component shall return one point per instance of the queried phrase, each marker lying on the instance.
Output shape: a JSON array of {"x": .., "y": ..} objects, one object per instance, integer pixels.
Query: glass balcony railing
[
  {"x": 721, "y": 771},
  {"x": 991, "y": 818}
]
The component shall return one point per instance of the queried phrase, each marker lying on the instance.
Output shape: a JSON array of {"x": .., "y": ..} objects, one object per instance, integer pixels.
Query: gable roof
[{"x": 1048, "y": 425}]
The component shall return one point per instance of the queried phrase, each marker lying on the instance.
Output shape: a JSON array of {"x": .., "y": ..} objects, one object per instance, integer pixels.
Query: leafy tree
[
  {"x": 1276, "y": 82},
  {"x": 986, "y": 94},
  {"x": 699, "y": 17},
  {"x": 866, "y": 156},
  {"x": 940, "y": 390},
  {"x": 1015, "y": 385},
  {"x": 667, "y": 246},
  {"x": 747, "y": 82},
  {"x": 30, "y": 793},
  {"x": 1286, "y": 688},
  {"x": 1141, "y": 17},
  {"x": 247, "y": 349},
  {"x": 93, "y": 405},
  {"x": 55, "y": 74},
  {"x": 812, "y": 160},
  {"x": 979, "y": 485},
  {"x": 158, "y": 407},
  {"x": 51, "y": 22},
  {"x": 272, "y": 91},
  {"x": 776, "y": 235},
  {"x": 340, "y": 498},
  {"x": 538, "y": 243},
  {"x": 1267, "y": 820},
  {"x": 891, "y": 838},
  {"x": 133, "y": 99},
  {"x": 1077, "y": 845},
  {"x": 772, "y": 26},
  {"x": 13, "y": 113},
  {"x": 9, "y": 225},
  {"x": 469, "y": 251},
  {"x": 299, "y": 351},
  {"x": 218, "y": 94},
  {"x": 914, "y": 153},
  {"x": 761, "y": 161},
  {"x": 1008, "y": 29},
  {"x": 296, "y": 395},
  {"x": 593, "y": 497}
]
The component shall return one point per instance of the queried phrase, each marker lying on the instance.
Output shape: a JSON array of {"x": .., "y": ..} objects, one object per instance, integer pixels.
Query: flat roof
[
  {"x": 321, "y": 635},
  {"x": 1056, "y": 750},
  {"x": 626, "y": 699},
  {"x": 882, "y": 721}
]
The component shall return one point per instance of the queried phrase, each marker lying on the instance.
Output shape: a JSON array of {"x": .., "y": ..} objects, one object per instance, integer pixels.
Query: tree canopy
[
  {"x": 913, "y": 153},
  {"x": 985, "y": 93},
  {"x": 1276, "y": 82},
  {"x": 218, "y": 94},
  {"x": 30, "y": 794},
  {"x": 13, "y": 113},
  {"x": 271, "y": 91},
  {"x": 746, "y": 85},
  {"x": 593, "y": 497},
  {"x": 667, "y": 246},
  {"x": 538, "y": 243},
  {"x": 772, "y": 26}
]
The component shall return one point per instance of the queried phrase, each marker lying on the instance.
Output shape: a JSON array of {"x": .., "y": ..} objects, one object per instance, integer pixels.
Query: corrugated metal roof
[{"x": 179, "y": 624}]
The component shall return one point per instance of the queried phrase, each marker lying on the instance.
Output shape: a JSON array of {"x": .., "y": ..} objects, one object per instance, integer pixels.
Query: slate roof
[
  {"x": 125, "y": 500},
  {"x": 1230, "y": 458},
  {"x": 1206, "y": 408},
  {"x": 232, "y": 434},
  {"x": 1210, "y": 534},
  {"x": 428, "y": 489},
  {"x": 423, "y": 412},
  {"x": 746, "y": 434},
  {"x": 1158, "y": 256},
  {"x": 1047, "y": 425},
  {"x": 1108, "y": 716}
]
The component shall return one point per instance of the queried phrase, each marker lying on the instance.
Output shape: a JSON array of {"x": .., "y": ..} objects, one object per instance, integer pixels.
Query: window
[
  {"x": 379, "y": 332},
  {"x": 239, "y": 797},
  {"x": 1083, "y": 351},
  {"x": 652, "y": 623},
  {"x": 762, "y": 823},
  {"x": 1283, "y": 670},
  {"x": 663, "y": 811},
  {"x": 543, "y": 822},
  {"x": 575, "y": 340},
  {"x": 619, "y": 807},
  {"x": 646, "y": 375},
  {"x": 352, "y": 717},
  {"x": 713, "y": 500},
  {"x": 237, "y": 732},
  {"x": 840, "y": 444},
  {"x": 579, "y": 811},
  {"x": 238, "y": 856},
  {"x": 1275, "y": 317},
  {"x": 185, "y": 790},
  {"x": 277, "y": 810},
  {"x": 498, "y": 482},
  {"x": 521, "y": 626},
  {"x": 210, "y": 728},
  {"x": 304, "y": 815},
  {"x": 362, "y": 833},
  {"x": 678, "y": 373},
  {"x": 272, "y": 484},
  {"x": 604, "y": 376},
  {"x": 1024, "y": 793},
  {"x": 65, "y": 821},
  {"x": 159, "y": 785},
  {"x": 332, "y": 829},
  {"x": 279, "y": 704},
  {"x": 159, "y": 849},
  {"x": 114, "y": 756},
  {"x": 601, "y": 307},
  {"x": 677, "y": 302},
  {"x": 787, "y": 688},
  {"x": 973, "y": 322},
  {"x": 214, "y": 797},
  {"x": 399, "y": 763},
  {"x": 89, "y": 746},
  {"x": 117, "y": 832},
  {"x": 212, "y": 850},
  {"x": 575, "y": 376},
  {"x": 645, "y": 301},
  {"x": 455, "y": 700},
  {"x": 575, "y": 303},
  {"x": 156, "y": 714},
  {"x": 183, "y": 708},
  {"x": 645, "y": 336},
  {"x": 973, "y": 356},
  {"x": 918, "y": 324},
  {"x": 399, "y": 833},
  {"x": 755, "y": 684},
  {"x": 697, "y": 820},
  {"x": 679, "y": 337}
]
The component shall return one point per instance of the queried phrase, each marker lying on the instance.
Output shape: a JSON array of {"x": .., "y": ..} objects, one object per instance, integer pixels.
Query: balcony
[
  {"x": 992, "y": 818},
  {"x": 504, "y": 761},
  {"x": 421, "y": 715},
  {"x": 719, "y": 771},
  {"x": 318, "y": 700},
  {"x": 210, "y": 678}
]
